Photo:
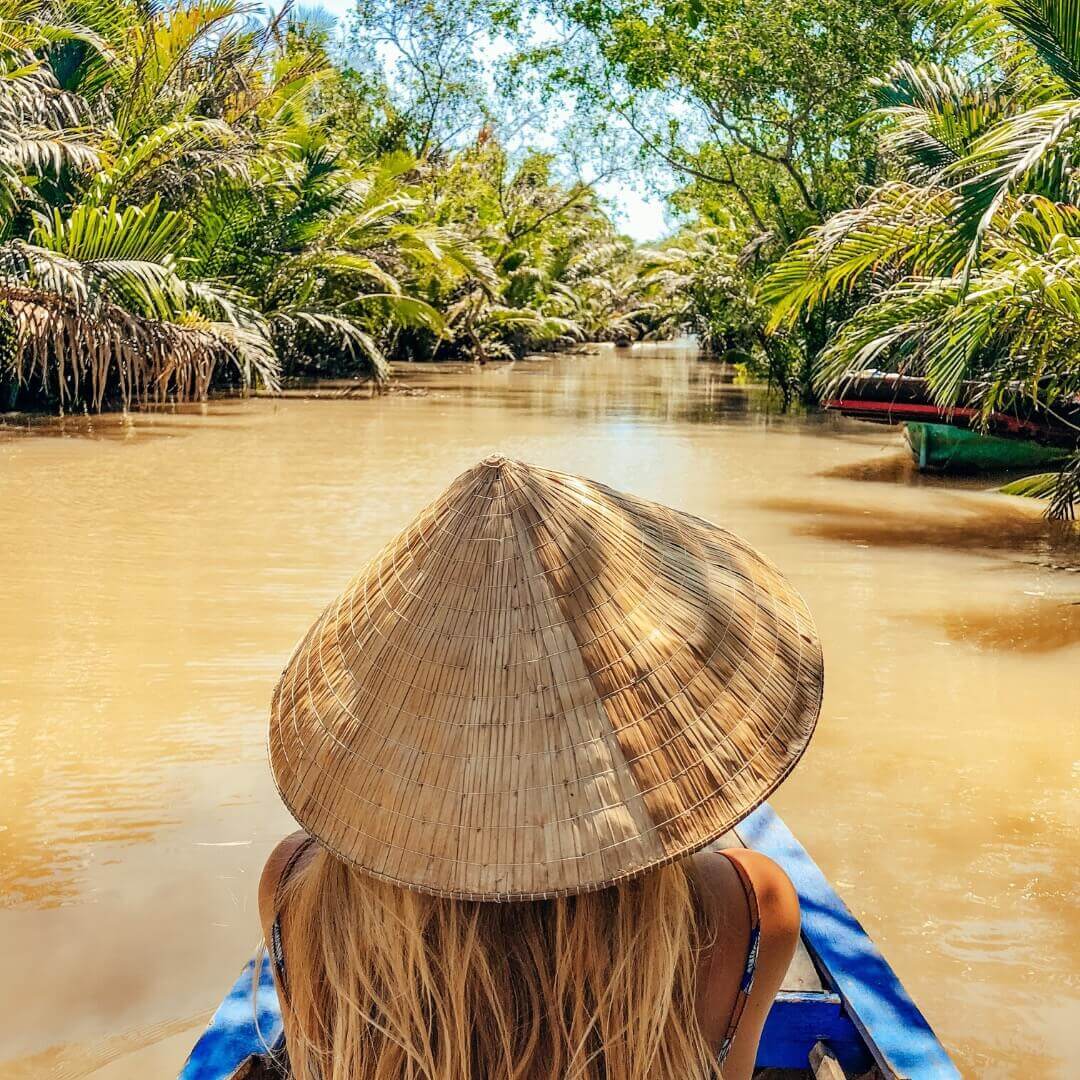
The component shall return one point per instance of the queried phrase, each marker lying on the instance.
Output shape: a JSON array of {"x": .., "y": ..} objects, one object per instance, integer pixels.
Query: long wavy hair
[{"x": 389, "y": 984}]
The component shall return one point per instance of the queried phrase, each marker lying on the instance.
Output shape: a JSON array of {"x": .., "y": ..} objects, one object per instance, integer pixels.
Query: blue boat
[{"x": 841, "y": 1013}]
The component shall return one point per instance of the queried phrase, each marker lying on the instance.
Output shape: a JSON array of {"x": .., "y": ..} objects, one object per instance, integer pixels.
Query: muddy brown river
[{"x": 158, "y": 569}]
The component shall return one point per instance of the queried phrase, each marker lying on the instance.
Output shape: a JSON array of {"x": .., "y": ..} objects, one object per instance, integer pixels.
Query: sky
[
  {"x": 639, "y": 214},
  {"x": 641, "y": 217}
]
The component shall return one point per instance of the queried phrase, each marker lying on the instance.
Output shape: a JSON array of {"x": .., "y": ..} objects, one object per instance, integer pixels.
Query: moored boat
[
  {"x": 944, "y": 446},
  {"x": 961, "y": 436},
  {"x": 841, "y": 1012}
]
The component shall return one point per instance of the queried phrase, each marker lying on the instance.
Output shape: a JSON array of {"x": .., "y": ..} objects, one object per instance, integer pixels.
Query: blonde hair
[{"x": 388, "y": 984}]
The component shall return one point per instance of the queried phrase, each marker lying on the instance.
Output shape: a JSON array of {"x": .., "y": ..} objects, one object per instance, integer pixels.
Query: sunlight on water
[{"x": 160, "y": 568}]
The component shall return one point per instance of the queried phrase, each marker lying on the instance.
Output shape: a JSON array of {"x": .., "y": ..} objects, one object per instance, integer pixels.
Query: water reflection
[
  {"x": 607, "y": 384},
  {"x": 1039, "y": 626},
  {"x": 161, "y": 421},
  {"x": 986, "y": 526}
]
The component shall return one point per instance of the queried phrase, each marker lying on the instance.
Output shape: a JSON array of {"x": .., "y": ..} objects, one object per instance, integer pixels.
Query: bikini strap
[
  {"x": 276, "y": 945},
  {"x": 746, "y": 983}
]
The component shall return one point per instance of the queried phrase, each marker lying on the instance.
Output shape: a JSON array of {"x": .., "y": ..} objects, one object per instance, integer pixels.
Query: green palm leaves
[
  {"x": 92, "y": 279},
  {"x": 181, "y": 198},
  {"x": 966, "y": 267},
  {"x": 165, "y": 176}
]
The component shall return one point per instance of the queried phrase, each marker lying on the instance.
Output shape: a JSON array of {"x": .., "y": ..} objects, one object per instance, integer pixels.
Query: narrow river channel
[{"x": 158, "y": 570}]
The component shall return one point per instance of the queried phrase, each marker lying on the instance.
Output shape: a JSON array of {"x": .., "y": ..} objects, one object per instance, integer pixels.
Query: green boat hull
[{"x": 941, "y": 446}]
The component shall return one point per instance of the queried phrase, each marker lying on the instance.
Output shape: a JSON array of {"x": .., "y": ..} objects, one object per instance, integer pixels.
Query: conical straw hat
[{"x": 543, "y": 686}]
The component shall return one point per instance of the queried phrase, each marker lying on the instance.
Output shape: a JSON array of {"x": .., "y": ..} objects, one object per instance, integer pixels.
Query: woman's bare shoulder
[
  {"x": 778, "y": 916},
  {"x": 284, "y": 851},
  {"x": 777, "y": 900},
  {"x": 771, "y": 885}
]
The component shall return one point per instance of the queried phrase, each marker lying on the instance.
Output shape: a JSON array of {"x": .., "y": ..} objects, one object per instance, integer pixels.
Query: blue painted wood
[
  {"x": 896, "y": 1033},
  {"x": 234, "y": 1031},
  {"x": 799, "y": 1020}
]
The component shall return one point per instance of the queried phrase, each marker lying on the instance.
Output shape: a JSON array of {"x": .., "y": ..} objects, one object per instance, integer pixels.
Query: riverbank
[{"x": 302, "y": 386}]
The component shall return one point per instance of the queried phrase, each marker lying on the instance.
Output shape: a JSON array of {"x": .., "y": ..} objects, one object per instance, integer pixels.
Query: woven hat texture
[{"x": 542, "y": 686}]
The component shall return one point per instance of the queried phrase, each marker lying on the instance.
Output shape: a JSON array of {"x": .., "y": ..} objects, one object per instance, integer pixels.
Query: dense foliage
[
  {"x": 966, "y": 259},
  {"x": 192, "y": 197},
  {"x": 753, "y": 107},
  {"x": 867, "y": 185}
]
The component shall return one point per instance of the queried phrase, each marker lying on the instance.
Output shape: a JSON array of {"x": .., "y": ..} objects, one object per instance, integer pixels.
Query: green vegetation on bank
[
  {"x": 195, "y": 195},
  {"x": 964, "y": 260},
  {"x": 871, "y": 186},
  {"x": 754, "y": 107}
]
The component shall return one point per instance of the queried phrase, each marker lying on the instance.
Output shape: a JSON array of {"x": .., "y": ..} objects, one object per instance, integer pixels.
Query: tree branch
[{"x": 710, "y": 178}]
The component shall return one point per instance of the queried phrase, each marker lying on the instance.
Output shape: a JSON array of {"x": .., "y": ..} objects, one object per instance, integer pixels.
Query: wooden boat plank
[
  {"x": 797, "y": 1022},
  {"x": 824, "y": 1064},
  {"x": 889, "y": 398},
  {"x": 802, "y": 976},
  {"x": 895, "y": 1031}
]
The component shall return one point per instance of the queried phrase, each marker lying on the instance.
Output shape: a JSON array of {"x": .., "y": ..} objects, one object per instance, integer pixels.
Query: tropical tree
[
  {"x": 752, "y": 107},
  {"x": 93, "y": 302},
  {"x": 321, "y": 242},
  {"x": 190, "y": 196},
  {"x": 554, "y": 256},
  {"x": 431, "y": 57},
  {"x": 703, "y": 280},
  {"x": 968, "y": 259},
  {"x": 756, "y": 100}
]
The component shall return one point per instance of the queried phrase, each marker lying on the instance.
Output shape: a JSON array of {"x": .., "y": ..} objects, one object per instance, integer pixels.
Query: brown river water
[{"x": 158, "y": 569}]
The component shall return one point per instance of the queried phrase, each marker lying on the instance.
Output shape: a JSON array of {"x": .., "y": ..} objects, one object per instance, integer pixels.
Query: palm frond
[
  {"x": 175, "y": 145},
  {"x": 933, "y": 116},
  {"x": 405, "y": 310},
  {"x": 1053, "y": 29},
  {"x": 1003, "y": 158},
  {"x": 897, "y": 226},
  {"x": 123, "y": 254},
  {"x": 95, "y": 355},
  {"x": 344, "y": 331},
  {"x": 1061, "y": 489}
]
